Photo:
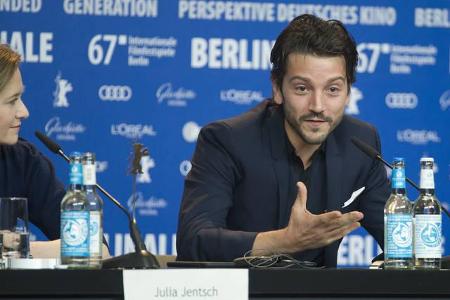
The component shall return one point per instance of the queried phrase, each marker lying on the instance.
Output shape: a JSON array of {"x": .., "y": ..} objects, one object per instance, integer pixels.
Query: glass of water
[{"x": 14, "y": 233}]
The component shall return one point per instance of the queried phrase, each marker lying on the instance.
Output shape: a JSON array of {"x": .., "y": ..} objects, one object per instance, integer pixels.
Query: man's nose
[{"x": 316, "y": 103}]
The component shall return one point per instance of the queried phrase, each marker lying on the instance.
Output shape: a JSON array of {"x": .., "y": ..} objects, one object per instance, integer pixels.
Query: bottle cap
[
  {"x": 427, "y": 159},
  {"x": 89, "y": 154},
  {"x": 399, "y": 159},
  {"x": 75, "y": 154}
]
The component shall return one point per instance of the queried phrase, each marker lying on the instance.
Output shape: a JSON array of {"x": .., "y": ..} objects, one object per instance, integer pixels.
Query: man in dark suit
[{"x": 247, "y": 189}]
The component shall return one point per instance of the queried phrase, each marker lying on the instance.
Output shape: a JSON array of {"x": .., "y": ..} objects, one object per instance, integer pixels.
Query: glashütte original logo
[
  {"x": 132, "y": 131},
  {"x": 146, "y": 207},
  {"x": 115, "y": 93},
  {"x": 242, "y": 97},
  {"x": 63, "y": 132},
  {"x": 178, "y": 97},
  {"x": 444, "y": 100}
]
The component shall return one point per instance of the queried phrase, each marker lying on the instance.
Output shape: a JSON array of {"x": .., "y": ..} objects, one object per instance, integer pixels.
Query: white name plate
[{"x": 172, "y": 284}]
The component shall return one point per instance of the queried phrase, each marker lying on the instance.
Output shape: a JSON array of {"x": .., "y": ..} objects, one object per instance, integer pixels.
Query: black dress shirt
[{"x": 315, "y": 202}]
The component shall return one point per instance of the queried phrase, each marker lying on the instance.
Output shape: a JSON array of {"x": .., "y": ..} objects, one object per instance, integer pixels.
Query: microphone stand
[
  {"x": 141, "y": 258},
  {"x": 373, "y": 153}
]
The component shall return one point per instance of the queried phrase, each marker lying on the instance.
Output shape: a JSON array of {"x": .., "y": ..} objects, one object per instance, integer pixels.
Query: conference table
[{"x": 263, "y": 283}]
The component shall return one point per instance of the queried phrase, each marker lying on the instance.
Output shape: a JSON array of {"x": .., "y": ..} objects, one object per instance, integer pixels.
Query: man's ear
[{"x": 276, "y": 92}]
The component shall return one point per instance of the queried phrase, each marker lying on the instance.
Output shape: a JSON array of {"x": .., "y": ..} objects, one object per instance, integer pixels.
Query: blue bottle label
[
  {"x": 399, "y": 233},
  {"x": 76, "y": 173},
  {"x": 428, "y": 236},
  {"x": 75, "y": 233},
  {"x": 398, "y": 178}
]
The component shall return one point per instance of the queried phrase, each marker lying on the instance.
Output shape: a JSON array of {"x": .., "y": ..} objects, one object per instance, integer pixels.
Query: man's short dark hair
[{"x": 308, "y": 34}]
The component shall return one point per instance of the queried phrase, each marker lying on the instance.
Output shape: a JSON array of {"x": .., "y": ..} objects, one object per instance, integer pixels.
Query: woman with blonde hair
[{"x": 24, "y": 171}]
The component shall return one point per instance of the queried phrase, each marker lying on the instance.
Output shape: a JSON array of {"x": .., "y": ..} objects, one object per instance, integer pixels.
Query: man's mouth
[{"x": 315, "y": 120}]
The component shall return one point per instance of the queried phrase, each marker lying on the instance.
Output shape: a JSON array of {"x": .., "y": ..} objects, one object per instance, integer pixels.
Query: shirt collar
[{"x": 320, "y": 150}]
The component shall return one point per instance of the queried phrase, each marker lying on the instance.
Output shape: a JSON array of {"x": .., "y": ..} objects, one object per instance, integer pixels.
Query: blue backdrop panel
[{"x": 101, "y": 75}]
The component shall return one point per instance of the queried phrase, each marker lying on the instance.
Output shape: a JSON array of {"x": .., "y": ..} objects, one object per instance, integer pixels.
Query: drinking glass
[{"x": 14, "y": 232}]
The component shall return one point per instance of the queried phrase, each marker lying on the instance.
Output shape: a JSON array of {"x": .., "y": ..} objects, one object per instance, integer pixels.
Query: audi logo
[
  {"x": 402, "y": 100},
  {"x": 115, "y": 93}
]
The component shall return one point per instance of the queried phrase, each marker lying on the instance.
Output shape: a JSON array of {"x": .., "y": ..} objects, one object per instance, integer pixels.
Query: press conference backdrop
[{"x": 102, "y": 74}]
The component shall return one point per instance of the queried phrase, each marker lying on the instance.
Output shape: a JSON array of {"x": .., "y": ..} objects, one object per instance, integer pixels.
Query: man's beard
[{"x": 295, "y": 124}]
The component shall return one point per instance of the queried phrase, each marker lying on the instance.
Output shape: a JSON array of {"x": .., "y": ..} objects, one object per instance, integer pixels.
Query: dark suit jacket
[{"x": 238, "y": 184}]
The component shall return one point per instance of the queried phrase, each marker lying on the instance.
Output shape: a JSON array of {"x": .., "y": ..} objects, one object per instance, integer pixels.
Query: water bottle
[
  {"x": 95, "y": 211},
  {"x": 427, "y": 221},
  {"x": 75, "y": 219},
  {"x": 398, "y": 222}
]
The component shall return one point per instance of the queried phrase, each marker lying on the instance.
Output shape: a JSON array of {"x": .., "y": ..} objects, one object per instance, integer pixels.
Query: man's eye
[
  {"x": 301, "y": 88},
  {"x": 334, "y": 89}
]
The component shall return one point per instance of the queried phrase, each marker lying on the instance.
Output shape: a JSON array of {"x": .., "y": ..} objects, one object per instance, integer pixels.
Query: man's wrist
[{"x": 276, "y": 241}]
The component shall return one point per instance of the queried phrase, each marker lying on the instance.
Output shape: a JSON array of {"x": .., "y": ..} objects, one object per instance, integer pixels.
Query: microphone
[
  {"x": 141, "y": 258},
  {"x": 51, "y": 145},
  {"x": 373, "y": 153}
]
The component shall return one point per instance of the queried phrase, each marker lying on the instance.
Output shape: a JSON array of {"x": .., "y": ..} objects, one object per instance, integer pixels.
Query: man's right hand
[{"x": 306, "y": 230}]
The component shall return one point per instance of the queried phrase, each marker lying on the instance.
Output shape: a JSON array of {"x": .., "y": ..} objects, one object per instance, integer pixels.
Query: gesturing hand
[{"x": 308, "y": 231}]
